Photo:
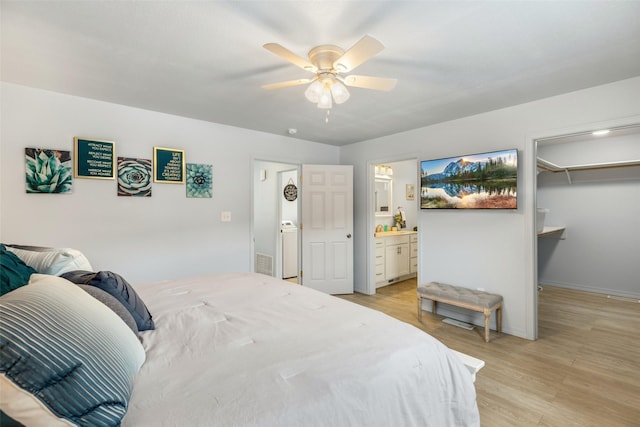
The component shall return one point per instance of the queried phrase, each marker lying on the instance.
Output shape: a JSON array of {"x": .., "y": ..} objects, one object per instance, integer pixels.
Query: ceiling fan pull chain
[{"x": 326, "y": 118}]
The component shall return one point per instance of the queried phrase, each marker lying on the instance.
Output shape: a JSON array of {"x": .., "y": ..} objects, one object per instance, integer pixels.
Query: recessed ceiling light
[
  {"x": 600, "y": 132},
  {"x": 292, "y": 131}
]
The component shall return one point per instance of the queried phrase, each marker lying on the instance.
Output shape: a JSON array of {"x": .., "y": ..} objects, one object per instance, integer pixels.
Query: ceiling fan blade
[
  {"x": 288, "y": 83},
  {"x": 287, "y": 55},
  {"x": 367, "y": 82},
  {"x": 364, "y": 49}
]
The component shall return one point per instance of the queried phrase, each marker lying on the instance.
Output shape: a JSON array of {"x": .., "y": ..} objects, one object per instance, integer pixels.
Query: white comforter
[{"x": 250, "y": 350}]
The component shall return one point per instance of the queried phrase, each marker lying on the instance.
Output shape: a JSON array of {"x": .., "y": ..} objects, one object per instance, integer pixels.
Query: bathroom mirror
[{"x": 383, "y": 197}]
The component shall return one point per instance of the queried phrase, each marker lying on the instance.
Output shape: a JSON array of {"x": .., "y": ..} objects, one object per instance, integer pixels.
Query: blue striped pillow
[{"x": 68, "y": 350}]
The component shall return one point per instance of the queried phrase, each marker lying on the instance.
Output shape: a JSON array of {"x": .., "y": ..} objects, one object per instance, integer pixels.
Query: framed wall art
[
  {"x": 168, "y": 165},
  {"x": 199, "y": 181},
  {"x": 94, "y": 158},
  {"x": 410, "y": 190},
  {"x": 134, "y": 177},
  {"x": 48, "y": 170}
]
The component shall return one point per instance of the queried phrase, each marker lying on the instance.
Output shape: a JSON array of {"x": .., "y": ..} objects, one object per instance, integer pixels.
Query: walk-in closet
[{"x": 588, "y": 195}]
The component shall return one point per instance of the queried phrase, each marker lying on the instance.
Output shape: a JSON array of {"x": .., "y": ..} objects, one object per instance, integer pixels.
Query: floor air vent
[{"x": 264, "y": 264}]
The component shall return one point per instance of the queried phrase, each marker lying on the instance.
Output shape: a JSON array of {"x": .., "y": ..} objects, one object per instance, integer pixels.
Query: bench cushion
[{"x": 458, "y": 293}]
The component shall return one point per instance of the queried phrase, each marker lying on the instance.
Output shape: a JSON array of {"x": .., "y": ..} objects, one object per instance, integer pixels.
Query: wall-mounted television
[{"x": 476, "y": 181}]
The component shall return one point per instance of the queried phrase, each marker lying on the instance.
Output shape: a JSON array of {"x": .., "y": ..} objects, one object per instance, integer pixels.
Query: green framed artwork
[
  {"x": 48, "y": 170},
  {"x": 168, "y": 165},
  {"x": 94, "y": 158}
]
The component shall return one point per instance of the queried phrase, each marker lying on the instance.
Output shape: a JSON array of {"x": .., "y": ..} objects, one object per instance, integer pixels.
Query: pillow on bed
[
  {"x": 14, "y": 273},
  {"x": 113, "y": 304},
  {"x": 65, "y": 355},
  {"x": 115, "y": 285},
  {"x": 7, "y": 421},
  {"x": 54, "y": 261}
]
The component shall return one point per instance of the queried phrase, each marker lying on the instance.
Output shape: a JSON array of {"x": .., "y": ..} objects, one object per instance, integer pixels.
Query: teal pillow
[{"x": 14, "y": 273}]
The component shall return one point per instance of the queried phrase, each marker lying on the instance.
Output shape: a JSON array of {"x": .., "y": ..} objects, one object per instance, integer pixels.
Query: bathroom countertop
[{"x": 394, "y": 233}]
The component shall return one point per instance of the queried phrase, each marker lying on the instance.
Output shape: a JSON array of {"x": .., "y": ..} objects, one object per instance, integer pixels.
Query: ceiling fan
[{"x": 328, "y": 63}]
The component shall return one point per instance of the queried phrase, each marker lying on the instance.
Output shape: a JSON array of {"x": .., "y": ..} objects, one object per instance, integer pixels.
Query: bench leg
[
  {"x": 499, "y": 318},
  {"x": 487, "y": 320},
  {"x": 433, "y": 308}
]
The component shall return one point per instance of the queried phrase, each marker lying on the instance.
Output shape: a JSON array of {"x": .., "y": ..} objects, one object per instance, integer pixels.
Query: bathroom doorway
[{"x": 394, "y": 203}]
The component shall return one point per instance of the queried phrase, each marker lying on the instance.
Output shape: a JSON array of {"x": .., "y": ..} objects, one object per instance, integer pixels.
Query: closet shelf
[
  {"x": 553, "y": 232},
  {"x": 547, "y": 166},
  {"x": 552, "y": 167}
]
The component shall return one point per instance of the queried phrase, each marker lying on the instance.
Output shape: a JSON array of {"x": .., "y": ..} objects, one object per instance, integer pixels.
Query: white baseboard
[{"x": 577, "y": 287}]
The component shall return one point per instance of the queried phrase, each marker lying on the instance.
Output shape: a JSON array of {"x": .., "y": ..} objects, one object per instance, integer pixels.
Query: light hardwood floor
[{"x": 584, "y": 370}]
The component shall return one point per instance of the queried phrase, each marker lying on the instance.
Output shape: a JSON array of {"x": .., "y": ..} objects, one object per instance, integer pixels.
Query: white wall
[
  {"x": 161, "y": 237},
  {"x": 601, "y": 210},
  {"x": 485, "y": 249}
]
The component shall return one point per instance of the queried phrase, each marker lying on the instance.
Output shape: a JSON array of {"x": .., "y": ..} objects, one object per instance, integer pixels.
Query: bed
[{"x": 244, "y": 349}]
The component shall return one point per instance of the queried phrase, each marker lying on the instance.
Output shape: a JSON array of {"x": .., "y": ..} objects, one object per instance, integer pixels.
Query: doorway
[
  {"x": 327, "y": 243},
  {"x": 586, "y": 183},
  {"x": 275, "y": 201},
  {"x": 392, "y": 191},
  {"x": 289, "y": 223}
]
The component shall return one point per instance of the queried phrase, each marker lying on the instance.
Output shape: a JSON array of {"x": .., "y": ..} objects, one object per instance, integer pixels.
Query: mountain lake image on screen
[{"x": 476, "y": 181}]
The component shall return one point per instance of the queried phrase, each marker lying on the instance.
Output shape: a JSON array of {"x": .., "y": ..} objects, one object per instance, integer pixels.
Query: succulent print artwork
[
  {"x": 199, "y": 180},
  {"x": 134, "y": 177},
  {"x": 48, "y": 171}
]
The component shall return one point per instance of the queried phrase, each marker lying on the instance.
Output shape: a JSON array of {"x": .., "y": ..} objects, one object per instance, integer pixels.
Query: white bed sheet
[{"x": 244, "y": 349}]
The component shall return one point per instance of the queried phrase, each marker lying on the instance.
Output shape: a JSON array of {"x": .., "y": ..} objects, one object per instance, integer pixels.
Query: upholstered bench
[{"x": 481, "y": 301}]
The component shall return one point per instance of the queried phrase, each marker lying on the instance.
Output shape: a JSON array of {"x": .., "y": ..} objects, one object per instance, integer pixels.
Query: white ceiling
[{"x": 205, "y": 59}]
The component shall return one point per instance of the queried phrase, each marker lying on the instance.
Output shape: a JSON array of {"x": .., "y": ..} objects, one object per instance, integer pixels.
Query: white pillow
[{"x": 53, "y": 261}]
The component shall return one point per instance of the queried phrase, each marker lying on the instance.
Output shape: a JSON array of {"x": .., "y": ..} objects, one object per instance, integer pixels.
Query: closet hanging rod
[{"x": 552, "y": 167}]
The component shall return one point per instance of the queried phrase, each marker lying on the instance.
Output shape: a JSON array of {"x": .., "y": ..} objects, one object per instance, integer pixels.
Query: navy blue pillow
[
  {"x": 117, "y": 287},
  {"x": 14, "y": 273}
]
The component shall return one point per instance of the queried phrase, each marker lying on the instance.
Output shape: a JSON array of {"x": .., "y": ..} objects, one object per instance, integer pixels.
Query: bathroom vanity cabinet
[{"x": 396, "y": 256}]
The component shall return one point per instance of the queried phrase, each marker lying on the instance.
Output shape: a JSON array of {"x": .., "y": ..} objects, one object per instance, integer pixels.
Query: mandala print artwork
[
  {"x": 48, "y": 171},
  {"x": 199, "y": 180},
  {"x": 134, "y": 177}
]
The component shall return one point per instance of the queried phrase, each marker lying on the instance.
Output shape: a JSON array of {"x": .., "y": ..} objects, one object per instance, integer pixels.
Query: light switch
[{"x": 225, "y": 216}]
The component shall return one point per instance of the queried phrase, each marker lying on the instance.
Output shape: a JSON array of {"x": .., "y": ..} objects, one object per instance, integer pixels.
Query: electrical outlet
[{"x": 225, "y": 216}]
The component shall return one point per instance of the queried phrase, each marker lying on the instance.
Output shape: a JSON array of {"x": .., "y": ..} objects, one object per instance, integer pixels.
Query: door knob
[{"x": 349, "y": 236}]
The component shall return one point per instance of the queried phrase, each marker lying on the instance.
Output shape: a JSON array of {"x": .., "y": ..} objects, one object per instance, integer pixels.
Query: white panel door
[{"x": 327, "y": 228}]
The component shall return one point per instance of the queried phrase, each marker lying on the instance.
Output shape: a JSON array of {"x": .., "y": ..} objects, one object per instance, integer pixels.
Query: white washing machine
[{"x": 289, "y": 233}]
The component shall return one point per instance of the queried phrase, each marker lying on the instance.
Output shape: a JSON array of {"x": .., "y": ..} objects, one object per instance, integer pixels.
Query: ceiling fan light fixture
[
  {"x": 325, "y": 99},
  {"x": 314, "y": 91},
  {"x": 339, "y": 92},
  {"x": 328, "y": 62}
]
